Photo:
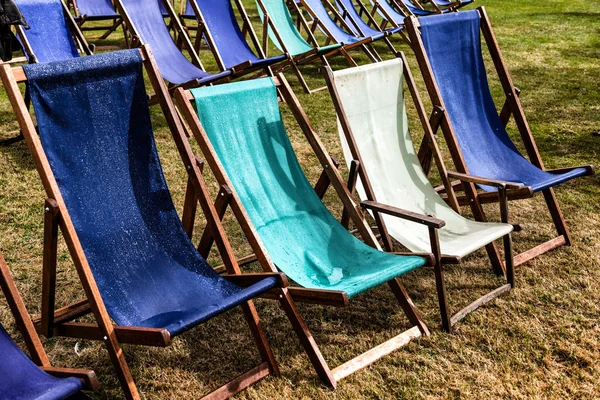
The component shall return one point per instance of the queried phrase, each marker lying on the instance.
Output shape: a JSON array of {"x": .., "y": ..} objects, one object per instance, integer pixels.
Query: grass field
[{"x": 540, "y": 341}]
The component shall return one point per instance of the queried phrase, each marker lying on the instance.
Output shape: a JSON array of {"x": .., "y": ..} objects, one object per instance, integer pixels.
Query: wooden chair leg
[
  {"x": 221, "y": 203},
  {"x": 408, "y": 306},
  {"x": 557, "y": 215},
  {"x": 306, "y": 339},
  {"x": 352, "y": 177},
  {"x": 266, "y": 354},
  {"x": 190, "y": 207},
  {"x": 439, "y": 280},
  {"x": 51, "y": 218}
]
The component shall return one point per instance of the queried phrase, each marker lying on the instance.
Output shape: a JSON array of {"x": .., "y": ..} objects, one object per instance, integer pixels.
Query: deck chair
[
  {"x": 280, "y": 28},
  {"x": 97, "y": 159},
  {"x": 348, "y": 11},
  {"x": 472, "y": 127},
  {"x": 373, "y": 128},
  {"x": 239, "y": 129},
  {"x": 97, "y": 10},
  {"x": 217, "y": 25},
  {"x": 145, "y": 22},
  {"x": 345, "y": 35},
  {"x": 50, "y": 37},
  {"x": 25, "y": 378},
  {"x": 53, "y": 33}
]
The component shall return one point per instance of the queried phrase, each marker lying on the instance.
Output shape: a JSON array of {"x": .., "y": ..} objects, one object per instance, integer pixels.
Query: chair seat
[
  {"x": 21, "y": 379},
  {"x": 214, "y": 301}
]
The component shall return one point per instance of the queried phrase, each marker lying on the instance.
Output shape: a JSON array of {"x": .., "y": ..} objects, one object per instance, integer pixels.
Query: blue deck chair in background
[
  {"x": 385, "y": 169},
  {"x": 241, "y": 133},
  {"x": 97, "y": 10},
  {"x": 28, "y": 378},
  {"x": 145, "y": 22},
  {"x": 473, "y": 129},
  {"x": 53, "y": 35},
  {"x": 98, "y": 162},
  {"x": 344, "y": 34},
  {"x": 218, "y": 26},
  {"x": 348, "y": 11}
]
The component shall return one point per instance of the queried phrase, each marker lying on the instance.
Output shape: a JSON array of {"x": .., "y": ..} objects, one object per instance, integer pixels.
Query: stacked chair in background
[{"x": 144, "y": 280}]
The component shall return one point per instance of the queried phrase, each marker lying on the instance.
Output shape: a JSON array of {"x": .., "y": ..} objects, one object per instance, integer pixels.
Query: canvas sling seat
[{"x": 97, "y": 10}]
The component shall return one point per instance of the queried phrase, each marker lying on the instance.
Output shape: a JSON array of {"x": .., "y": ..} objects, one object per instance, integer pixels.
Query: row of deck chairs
[{"x": 94, "y": 150}]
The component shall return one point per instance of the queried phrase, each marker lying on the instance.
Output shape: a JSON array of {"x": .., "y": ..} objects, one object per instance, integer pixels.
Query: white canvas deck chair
[{"x": 385, "y": 170}]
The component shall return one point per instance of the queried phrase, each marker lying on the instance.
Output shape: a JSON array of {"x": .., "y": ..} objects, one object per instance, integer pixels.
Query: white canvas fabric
[{"x": 373, "y": 100}]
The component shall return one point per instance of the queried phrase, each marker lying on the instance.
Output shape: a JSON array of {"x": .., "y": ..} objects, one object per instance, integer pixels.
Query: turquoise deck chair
[{"x": 240, "y": 129}]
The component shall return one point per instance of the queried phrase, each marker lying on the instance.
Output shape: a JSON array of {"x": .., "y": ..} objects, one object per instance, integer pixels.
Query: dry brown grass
[{"x": 540, "y": 341}]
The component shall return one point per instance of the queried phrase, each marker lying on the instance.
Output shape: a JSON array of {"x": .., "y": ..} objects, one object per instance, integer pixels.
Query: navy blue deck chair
[
  {"x": 25, "y": 378},
  {"x": 145, "y": 21},
  {"x": 321, "y": 14},
  {"x": 240, "y": 130},
  {"x": 473, "y": 128},
  {"x": 98, "y": 161},
  {"x": 97, "y": 10},
  {"x": 53, "y": 34},
  {"x": 218, "y": 26}
]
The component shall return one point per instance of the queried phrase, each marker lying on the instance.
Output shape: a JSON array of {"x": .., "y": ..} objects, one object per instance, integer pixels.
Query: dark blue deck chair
[
  {"x": 97, "y": 10},
  {"x": 53, "y": 34},
  {"x": 321, "y": 14},
  {"x": 97, "y": 158},
  {"x": 473, "y": 128},
  {"x": 218, "y": 26},
  {"x": 144, "y": 19},
  {"x": 240, "y": 130},
  {"x": 25, "y": 378}
]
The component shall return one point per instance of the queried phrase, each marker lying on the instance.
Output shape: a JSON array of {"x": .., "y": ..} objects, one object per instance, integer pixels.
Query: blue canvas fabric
[
  {"x": 49, "y": 34},
  {"x": 150, "y": 25},
  {"x": 244, "y": 125},
  {"x": 339, "y": 35},
  {"x": 221, "y": 22},
  {"x": 453, "y": 46},
  {"x": 354, "y": 18},
  {"x": 188, "y": 12},
  {"x": 97, "y": 9},
  {"x": 95, "y": 128},
  {"x": 414, "y": 9},
  {"x": 391, "y": 11},
  {"x": 21, "y": 379}
]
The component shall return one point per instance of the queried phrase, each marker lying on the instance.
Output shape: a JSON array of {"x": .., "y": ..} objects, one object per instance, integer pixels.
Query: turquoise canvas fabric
[
  {"x": 284, "y": 24},
  {"x": 244, "y": 124}
]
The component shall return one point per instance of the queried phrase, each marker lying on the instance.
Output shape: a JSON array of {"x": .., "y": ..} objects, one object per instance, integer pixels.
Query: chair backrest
[
  {"x": 419, "y": 12},
  {"x": 149, "y": 24},
  {"x": 95, "y": 128},
  {"x": 331, "y": 28},
  {"x": 389, "y": 10},
  {"x": 373, "y": 100},
  {"x": 244, "y": 125},
  {"x": 49, "y": 35},
  {"x": 222, "y": 24},
  {"x": 284, "y": 24},
  {"x": 453, "y": 46},
  {"x": 97, "y": 8},
  {"x": 354, "y": 19}
]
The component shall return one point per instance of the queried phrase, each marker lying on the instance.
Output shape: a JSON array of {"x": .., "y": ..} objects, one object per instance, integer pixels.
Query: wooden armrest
[
  {"x": 87, "y": 376},
  {"x": 252, "y": 278},
  {"x": 588, "y": 168},
  {"x": 485, "y": 181},
  {"x": 405, "y": 214}
]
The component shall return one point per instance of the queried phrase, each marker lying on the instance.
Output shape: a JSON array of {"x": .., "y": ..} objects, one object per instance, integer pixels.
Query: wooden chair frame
[
  {"x": 109, "y": 29},
  {"x": 202, "y": 31},
  {"x": 356, "y": 171},
  {"x": 300, "y": 294},
  {"x": 301, "y": 59},
  {"x": 182, "y": 37},
  {"x": 365, "y": 44},
  {"x": 30, "y": 336},
  {"x": 512, "y": 106},
  {"x": 59, "y": 322}
]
